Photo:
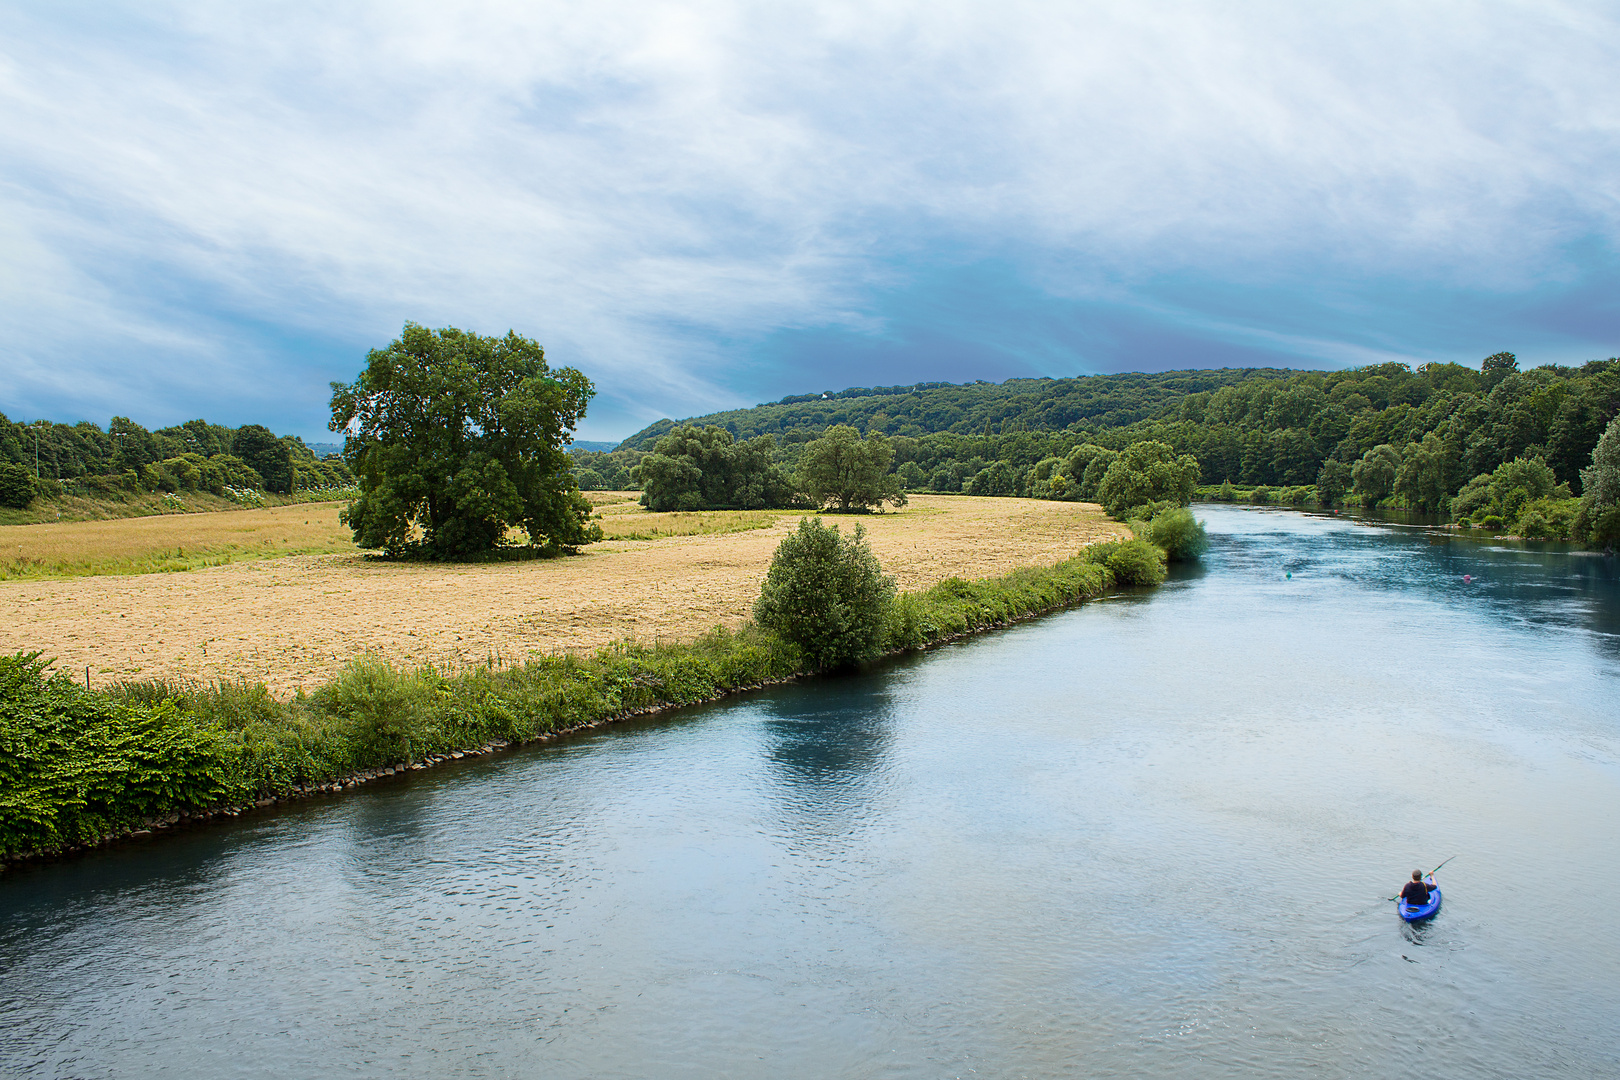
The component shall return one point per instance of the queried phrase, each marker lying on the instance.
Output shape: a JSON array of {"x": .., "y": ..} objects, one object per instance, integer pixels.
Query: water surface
[{"x": 1147, "y": 837}]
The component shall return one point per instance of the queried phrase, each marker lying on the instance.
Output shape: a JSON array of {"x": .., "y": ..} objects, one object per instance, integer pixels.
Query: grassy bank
[{"x": 78, "y": 767}]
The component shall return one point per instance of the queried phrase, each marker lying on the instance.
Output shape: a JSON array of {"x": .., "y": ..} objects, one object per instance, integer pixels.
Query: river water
[{"x": 1146, "y": 837}]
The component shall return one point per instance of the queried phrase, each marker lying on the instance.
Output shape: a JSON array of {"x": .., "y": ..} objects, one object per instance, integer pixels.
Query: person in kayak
[{"x": 1416, "y": 891}]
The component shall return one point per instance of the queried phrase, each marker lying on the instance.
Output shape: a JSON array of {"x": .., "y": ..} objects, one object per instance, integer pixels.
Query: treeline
[
  {"x": 1384, "y": 435},
  {"x": 38, "y": 458}
]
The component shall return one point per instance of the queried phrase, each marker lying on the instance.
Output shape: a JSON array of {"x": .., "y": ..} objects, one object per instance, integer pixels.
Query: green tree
[
  {"x": 1374, "y": 475},
  {"x": 1497, "y": 367},
  {"x": 842, "y": 468},
  {"x": 826, "y": 593},
  {"x": 1146, "y": 473},
  {"x": 1333, "y": 482},
  {"x": 1601, "y": 482},
  {"x": 16, "y": 485},
  {"x": 462, "y": 436},
  {"x": 266, "y": 455},
  {"x": 706, "y": 469},
  {"x": 1521, "y": 481}
]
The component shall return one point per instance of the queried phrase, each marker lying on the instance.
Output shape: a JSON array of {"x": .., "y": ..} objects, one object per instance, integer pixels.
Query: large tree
[
  {"x": 706, "y": 469},
  {"x": 266, "y": 455},
  {"x": 842, "y": 468},
  {"x": 462, "y": 437}
]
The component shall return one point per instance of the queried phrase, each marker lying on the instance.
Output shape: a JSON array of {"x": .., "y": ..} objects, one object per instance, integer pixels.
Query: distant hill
[
  {"x": 976, "y": 408},
  {"x": 595, "y": 446}
]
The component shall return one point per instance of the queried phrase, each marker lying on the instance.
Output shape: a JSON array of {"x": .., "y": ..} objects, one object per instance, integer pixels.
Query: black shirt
[{"x": 1415, "y": 892}]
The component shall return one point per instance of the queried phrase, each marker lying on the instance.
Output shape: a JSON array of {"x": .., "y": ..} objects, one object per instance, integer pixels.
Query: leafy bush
[
  {"x": 825, "y": 593},
  {"x": 1175, "y": 532},
  {"x": 75, "y": 765},
  {"x": 1129, "y": 562}
]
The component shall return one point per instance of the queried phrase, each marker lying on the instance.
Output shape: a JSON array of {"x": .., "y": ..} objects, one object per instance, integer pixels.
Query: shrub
[
  {"x": 1129, "y": 562},
  {"x": 1177, "y": 533},
  {"x": 826, "y": 594}
]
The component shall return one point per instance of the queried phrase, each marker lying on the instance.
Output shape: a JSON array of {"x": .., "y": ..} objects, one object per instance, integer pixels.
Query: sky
[{"x": 216, "y": 210}]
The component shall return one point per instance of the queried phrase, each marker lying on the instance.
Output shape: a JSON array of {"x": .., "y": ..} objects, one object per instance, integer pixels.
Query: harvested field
[
  {"x": 292, "y": 622},
  {"x": 170, "y": 542}
]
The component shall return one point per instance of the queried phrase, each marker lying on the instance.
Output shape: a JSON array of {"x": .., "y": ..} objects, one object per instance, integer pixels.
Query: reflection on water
[{"x": 1149, "y": 837}]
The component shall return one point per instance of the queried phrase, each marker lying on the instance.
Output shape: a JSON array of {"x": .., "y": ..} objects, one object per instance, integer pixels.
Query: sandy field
[{"x": 293, "y": 621}]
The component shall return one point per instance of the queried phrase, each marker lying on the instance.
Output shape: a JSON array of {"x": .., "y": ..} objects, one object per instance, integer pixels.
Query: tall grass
[{"x": 79, "y": 765}]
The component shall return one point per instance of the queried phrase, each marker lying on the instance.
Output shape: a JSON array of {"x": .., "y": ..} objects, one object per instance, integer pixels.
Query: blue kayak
[{"x": 1419, "y": 912}]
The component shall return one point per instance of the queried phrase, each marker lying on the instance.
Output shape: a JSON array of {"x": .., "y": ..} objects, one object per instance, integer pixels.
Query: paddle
[{"x": 1431, "y": 873}]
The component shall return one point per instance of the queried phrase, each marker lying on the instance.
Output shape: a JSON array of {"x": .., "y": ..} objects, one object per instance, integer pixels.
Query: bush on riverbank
[
  {"x": 79, "y": 765},
  {"x": 826, "y": 593}
]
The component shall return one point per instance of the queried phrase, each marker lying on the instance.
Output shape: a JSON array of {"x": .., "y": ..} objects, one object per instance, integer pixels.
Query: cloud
[{"x": 227, "y": 204}]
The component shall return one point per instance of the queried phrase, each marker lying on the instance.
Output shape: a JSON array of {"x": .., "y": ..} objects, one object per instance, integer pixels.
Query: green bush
[
  {"x": 1129, "y": 562},
  {"x": 75, "y": 765},
  {"x": 826, "y": 594},
  {"x": 1175, "y": 532}
]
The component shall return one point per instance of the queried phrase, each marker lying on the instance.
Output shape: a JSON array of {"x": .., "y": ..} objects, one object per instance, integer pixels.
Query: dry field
[
  {"x": 170, "y": 542},
  {"x": 293, "y": 621}
]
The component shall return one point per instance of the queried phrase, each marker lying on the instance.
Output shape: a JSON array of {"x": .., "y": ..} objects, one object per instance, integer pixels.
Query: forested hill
[
  {"x": 1248, "y": 426},
  {"x": 976, "y": 408}
]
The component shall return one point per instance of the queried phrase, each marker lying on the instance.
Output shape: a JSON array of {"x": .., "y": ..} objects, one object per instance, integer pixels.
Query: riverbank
[
  {"x": 294, "y": 623},
  {"x": 87, "y": 767}
]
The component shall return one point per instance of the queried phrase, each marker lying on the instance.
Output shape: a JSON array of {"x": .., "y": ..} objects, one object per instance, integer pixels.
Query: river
[{"x": 1146, "y": 837}]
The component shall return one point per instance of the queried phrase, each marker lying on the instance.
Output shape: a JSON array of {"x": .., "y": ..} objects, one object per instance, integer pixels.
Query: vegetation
[
  {"x": 825, "y": 593},
  {"x": 196, "y": 456},
  {"x": 1176, "y": 533},
  {"x": 456, "y": 438},
  {"x": 1599, "y": 515},
  {"x": 706, "y": 469},
  {"x": 77, "y": 766},
  {"x": 844, "y": 470},
  {"x": 1385, "y": 435}
]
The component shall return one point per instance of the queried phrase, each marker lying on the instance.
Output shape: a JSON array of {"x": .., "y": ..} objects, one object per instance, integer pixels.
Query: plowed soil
[{"x": 292, "y": 622}]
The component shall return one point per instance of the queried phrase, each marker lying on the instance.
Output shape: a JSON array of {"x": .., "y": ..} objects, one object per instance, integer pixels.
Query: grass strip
[{"x": 79, "y": 767}]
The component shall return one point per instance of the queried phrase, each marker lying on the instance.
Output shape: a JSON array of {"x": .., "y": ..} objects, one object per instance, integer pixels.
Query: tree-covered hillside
[
  {"x": 977, "y": 408},
  {"x": 1248, "y": 427}
]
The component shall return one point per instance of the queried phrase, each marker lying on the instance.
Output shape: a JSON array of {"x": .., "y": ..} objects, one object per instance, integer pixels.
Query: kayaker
[{"x": 1416, "y": 891}]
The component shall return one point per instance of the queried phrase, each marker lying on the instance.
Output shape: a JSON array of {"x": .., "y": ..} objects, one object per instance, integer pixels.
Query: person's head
[{"x": 1417, "y": 875}]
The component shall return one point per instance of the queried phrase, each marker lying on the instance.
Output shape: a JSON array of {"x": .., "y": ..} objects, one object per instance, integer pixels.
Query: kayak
[{"x": 1419, "y": 912}]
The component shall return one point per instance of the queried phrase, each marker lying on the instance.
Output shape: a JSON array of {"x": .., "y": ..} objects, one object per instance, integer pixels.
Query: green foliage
[
  {"x": 1601, "y": 481},
  {"x": 706, "y": 469},
  {"x": 842, "y": 468},
  {"x": 1175, "y": 532},
  {"x": 461, "y": 436},
  {"x": 16, "y": 485},
  {"x": 1333, "y": 482},
  {"x": 75, "y": 765},
  {"x": 1373, "y": 477},
  {"x": 259, "y": 449},
  {"x": 826, "y": 594},
  {"x": 1147, "y": 472},
  {"x": 955, "y": 607},
  {"x": 1129, "y": 562}
]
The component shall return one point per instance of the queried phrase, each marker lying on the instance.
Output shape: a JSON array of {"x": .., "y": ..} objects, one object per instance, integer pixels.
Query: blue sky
[{"x": 214, "y": 210}]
